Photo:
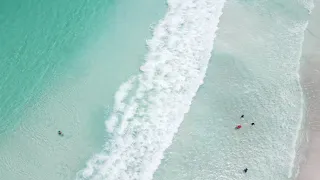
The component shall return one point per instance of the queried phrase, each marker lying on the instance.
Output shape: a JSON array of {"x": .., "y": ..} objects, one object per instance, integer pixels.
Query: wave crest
[{"x": 143, "y": 127}]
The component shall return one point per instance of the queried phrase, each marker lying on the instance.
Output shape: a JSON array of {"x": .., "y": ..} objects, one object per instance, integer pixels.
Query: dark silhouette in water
[
  {"x": 252, "y": 124},
  {"x": 242, "y": 116},
  {"x": 60, "y": 133},
  {"x": 245, "y": 170}
]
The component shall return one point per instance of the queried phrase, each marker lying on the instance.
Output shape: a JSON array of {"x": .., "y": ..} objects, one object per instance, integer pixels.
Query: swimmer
[
  {"x": 245, "y": 170},
  {"x": 238, "y": 127},
  {"x": 242, "y": 116},
  {"x": 60, "y": 133},
  {"x": 252, "y": 124}
]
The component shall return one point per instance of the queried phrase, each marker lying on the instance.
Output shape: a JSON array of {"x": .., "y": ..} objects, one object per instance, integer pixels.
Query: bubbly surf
[
  {"x": 150, "y": 107},
  {"x": 253, "y": 71}
]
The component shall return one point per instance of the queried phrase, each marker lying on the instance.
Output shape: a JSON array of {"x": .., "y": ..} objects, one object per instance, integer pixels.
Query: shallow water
[
  {"x": 150, "y": 106},
  {"x": 253, "y": 71},
  {"x": 123, "y": 133},
  {"x": 33, "y": 52},
  {"x": 76, "y": 97}
]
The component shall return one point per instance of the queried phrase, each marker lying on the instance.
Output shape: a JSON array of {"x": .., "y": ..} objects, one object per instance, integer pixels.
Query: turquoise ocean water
[
  {"x": 74, "y": 66},
  {"x": 93, "y": 47}
]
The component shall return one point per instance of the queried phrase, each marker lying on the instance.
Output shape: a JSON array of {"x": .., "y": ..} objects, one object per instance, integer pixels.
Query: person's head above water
[
  {"x": 242, "y": 116},
  {"x": 245, "y": 170},
  {"x": 60, "y": 133},
  {"x": 252, "y": 124}
]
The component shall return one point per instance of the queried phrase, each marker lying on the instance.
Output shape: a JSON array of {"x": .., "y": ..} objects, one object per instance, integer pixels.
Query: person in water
[
  {"x": 252, "y": 124},
  {"x": 60, "y": 133},
  {"x": 242, "y": 116},
  {"x": 238, "y": 127},
  {"x": 245, "y": 170}
]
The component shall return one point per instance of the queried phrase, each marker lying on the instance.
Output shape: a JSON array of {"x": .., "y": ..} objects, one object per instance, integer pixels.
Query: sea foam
[{"x": 143, "y": 124}]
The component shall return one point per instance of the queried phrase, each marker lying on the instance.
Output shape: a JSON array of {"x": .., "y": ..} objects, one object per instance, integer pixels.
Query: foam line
[{"x": 143, "y": 128}]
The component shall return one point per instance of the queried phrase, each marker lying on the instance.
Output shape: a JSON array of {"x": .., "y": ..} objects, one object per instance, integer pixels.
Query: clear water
[
  {"x": 75, "y": 97},
  {"x": 74, "y": 66},
  {"x": 32, "y": 50},
  {"x": 253, "y": 71}
]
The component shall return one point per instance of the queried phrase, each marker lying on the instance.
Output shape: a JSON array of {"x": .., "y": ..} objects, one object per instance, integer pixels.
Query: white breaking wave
[{"x": 143, "y": 125}]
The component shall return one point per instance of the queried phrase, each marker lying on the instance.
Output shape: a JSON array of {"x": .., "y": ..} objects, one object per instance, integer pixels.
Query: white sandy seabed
[{"x": 150, "y": 107}]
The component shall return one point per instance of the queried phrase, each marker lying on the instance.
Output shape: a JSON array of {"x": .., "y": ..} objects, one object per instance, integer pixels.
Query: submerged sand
[{"x": 310, "y": 81}]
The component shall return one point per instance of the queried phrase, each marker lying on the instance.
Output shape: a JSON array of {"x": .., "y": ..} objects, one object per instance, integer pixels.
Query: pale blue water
[
  {"x": 118, "y": 122},
  {"x": 33, "y": 52},
  {"x": 75, "y": 97},
  {"x": 253, "y": 71}
]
